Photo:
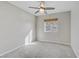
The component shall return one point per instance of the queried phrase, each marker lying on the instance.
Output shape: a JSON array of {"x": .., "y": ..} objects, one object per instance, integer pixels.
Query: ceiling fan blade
[
  {"x": 34, "y": 7},
  {"x": 36, "y": 11},
  {"x": 49, "y": 8}
]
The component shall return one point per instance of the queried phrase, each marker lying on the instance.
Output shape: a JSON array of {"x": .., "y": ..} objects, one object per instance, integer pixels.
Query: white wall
[
  {"x": 63, "y": 33},
  {"x": 75, "y": 28},
  {"x": 15, "y": 24}
]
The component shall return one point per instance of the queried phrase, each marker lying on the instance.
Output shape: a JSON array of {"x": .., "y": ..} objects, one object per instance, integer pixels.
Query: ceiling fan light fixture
[
  {"x": 42, "y": 5},
  {"x": 42, "y": 11}
]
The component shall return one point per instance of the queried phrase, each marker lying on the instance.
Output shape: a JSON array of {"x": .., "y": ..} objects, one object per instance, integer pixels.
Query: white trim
[
  {"x": 75, "y": 51},
  {"x": 55, "y": 42},
  {"x": 11, "y": 50}
]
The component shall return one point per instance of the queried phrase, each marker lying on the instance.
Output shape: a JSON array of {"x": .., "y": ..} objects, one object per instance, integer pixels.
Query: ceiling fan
[{"x": 42, "y": 9}]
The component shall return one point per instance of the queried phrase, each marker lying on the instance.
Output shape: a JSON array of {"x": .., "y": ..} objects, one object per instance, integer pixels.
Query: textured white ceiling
[{"x": 60, "y": 6}]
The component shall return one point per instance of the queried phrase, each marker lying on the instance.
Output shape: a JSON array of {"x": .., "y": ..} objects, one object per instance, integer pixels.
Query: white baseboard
[
  {"x": 11, "y": 50},
  {"x": 55, "y": 42},
  {"x": 75, "y": 51}
]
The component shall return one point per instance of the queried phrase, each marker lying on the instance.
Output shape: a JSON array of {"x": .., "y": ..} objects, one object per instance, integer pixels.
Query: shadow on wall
[{"x": 28, "y": 38}]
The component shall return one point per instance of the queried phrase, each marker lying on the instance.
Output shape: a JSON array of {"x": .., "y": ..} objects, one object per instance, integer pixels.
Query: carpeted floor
[{"x": 41, "y": 50}]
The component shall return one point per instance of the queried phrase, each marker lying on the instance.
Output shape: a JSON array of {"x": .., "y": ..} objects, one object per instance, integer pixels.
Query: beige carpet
[{"x": 42, "y": 50}]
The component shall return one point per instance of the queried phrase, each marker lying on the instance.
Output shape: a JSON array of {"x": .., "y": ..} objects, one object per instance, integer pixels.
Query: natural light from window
[{"x": 28, "y": 38}]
